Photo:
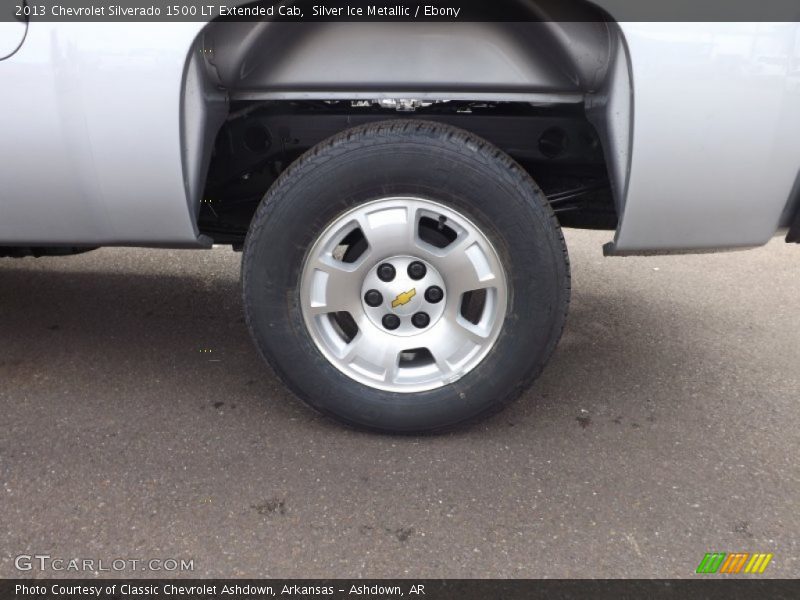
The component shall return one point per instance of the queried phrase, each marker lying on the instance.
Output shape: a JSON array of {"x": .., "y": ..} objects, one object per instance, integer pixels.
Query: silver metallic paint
[
  {"x": 610, "y": 110},
  {"x": 716, "y": 134},
  {"x": 12, "y": 32},
  {"x": 90, "y": 151}
]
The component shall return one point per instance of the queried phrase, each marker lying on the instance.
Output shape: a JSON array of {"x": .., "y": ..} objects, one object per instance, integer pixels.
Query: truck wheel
[{"x": 405, "y": 277}]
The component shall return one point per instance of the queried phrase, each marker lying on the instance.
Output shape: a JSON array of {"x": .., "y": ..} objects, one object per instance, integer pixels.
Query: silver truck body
[{"x": 106, "y": 128}]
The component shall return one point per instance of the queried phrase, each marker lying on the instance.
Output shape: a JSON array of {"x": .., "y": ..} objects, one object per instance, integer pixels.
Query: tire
[{"x": 453, "y": 184}]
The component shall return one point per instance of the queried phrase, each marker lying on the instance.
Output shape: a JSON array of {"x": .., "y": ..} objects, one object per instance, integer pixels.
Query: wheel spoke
[
  {"x": 451, "y": 342},
  {"x": 369, "y": 352},
  {"x": 466, "y": 267},
  {"x": 388, "y": 230},
  {"x": 335, "y": 287}
]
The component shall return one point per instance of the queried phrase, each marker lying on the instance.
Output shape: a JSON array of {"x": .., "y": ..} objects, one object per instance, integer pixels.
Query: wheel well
[
  {"x": 557, "y": 145},
  {"x": 342, "y": 59},
  {"x": 556, "y": 96}
]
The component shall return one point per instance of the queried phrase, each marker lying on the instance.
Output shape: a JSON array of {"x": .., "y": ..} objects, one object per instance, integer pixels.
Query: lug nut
[
  {"x": 391, "y": 322},
  {"x": 386, "y": 272},
  {"x": 420, "y": 320},
  {"x": 373, "y": 298},
  {"x": 434, "y": 294},
  {"x": 416, "y": 270}
]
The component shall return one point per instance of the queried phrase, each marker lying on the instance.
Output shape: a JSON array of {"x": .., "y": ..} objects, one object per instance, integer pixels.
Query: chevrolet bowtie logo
[{"x": 404, "y": 298}]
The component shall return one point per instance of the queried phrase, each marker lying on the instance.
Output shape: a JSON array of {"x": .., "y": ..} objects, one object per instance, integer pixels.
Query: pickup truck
[{"x": 398, "y": 189}]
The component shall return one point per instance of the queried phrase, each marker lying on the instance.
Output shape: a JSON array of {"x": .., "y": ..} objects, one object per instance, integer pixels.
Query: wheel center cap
[{"x": 403, "y": 295}]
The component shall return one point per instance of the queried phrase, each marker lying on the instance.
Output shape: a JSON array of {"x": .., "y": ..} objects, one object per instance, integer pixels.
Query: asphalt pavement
[{"x": 138, "y": 422}]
